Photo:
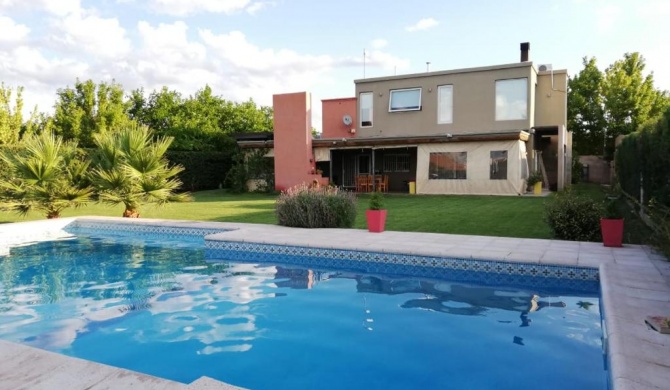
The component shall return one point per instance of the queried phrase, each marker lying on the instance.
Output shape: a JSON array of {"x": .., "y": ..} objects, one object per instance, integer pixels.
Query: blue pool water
[{"x": 158, "y": 307}]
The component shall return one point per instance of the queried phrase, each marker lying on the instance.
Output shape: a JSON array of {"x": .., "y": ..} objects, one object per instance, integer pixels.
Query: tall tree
[
  {"x": 11, "y": 119},
  {"x": 629, "y": 98},
  {"x": 586, "y": 114},
  {"x": 87, "y": 109},
  {"x": 47, "y": 175},
  {"x": 131, "y": 169}
]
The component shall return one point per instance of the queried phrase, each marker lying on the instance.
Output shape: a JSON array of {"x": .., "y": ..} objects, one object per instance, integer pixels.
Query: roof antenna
[{"x": 427, "y": 66}]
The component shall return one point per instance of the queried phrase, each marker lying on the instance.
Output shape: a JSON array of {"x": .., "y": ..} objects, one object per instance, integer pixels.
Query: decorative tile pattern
[
  {"x": 83, "y": 227},
  {"x": 383, "y": 262}
]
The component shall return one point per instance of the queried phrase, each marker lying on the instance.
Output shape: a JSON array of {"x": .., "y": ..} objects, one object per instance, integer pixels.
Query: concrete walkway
[{"x": 635, "y": 283}]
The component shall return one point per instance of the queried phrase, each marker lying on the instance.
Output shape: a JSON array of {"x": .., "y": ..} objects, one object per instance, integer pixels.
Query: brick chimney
[{"x": 525, "y": 49}]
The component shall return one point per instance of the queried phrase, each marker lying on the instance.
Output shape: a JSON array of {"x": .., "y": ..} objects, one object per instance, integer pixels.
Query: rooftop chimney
[{"x": 525, "y": 48}]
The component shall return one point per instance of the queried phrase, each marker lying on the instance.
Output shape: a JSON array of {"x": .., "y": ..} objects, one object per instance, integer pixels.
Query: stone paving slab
[{"x": 635, "y": 282}]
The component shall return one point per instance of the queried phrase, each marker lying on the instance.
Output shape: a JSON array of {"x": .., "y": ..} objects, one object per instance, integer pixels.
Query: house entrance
[{"x": 397, "y": 164}]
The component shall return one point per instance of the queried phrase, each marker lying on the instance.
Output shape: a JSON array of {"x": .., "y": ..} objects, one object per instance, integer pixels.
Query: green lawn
[
  {"x": 483, "y": 215},
  {"x": 503, "y": 216}
]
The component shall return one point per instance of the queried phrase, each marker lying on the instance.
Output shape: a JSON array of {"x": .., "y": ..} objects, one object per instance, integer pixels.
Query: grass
[
  {"x": 482, "y": 215},
  {"x": 502, "y": 216}
]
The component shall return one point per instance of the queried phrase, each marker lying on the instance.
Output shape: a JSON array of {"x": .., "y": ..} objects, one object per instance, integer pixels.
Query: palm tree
[
  {"x": 131, "y": 168},
  {"x": 45, "y": 174}
]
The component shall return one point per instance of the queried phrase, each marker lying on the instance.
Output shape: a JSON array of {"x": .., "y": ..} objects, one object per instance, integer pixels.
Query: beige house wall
[
  {"x": 551, "y": 102},
  {"x": 473, "y": 102}
]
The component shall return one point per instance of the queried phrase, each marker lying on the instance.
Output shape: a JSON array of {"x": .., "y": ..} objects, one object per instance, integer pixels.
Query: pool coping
[{"x": 634, "y": 280}]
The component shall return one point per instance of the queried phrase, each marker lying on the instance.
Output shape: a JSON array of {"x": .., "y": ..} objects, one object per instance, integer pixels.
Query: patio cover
[{"x": 478, "y": 180}]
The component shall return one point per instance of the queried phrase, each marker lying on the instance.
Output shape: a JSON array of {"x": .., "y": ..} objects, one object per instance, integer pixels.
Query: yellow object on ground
[
  {"x": 412, "y": 187},
  {"x": 537, "y": 188}
]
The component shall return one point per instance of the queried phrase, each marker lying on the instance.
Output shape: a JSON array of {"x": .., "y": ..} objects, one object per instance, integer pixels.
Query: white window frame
[
  {"x": 498, "y": 114},
  {"x": 360, "y": 113},
  {"x": 440, "y": 119},
  {"x": 413, "y": 108}
]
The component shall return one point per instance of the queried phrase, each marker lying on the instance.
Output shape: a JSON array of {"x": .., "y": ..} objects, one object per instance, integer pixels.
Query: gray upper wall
[{"x": 473, "y": 101}]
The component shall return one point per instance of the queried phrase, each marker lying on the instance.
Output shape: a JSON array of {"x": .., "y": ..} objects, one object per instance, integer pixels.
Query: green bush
[
  {"x": 316, "y": 207},
  {"x": 574, "y": 218},
  {"x": 202, "y": 170},
  {"x": 642, "y": 159},
  {"x": 376, "y": 201}
]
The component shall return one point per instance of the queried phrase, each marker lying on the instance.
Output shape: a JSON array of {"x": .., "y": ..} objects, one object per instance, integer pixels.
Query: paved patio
[{"x": 635, "y": 283}]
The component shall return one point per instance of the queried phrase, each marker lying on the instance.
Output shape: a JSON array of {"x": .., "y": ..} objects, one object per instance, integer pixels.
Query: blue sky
[{"x": 252, "y": 49}]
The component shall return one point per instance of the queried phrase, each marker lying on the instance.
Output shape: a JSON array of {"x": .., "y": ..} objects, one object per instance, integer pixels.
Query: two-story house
[{"x": 464, "y": 131}]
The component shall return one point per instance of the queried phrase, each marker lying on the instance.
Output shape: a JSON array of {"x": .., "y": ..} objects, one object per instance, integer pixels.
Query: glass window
[
  {"x": 445, "y": 103},
  {"x": 405, "y": 100},
  {"x": 498, "y": 163},
  {"x": 396, "y": 163},
  {"x": 365, "y": 102},
  {"x": 511, "y": 99},
  {"x": 448, "y": 165}
]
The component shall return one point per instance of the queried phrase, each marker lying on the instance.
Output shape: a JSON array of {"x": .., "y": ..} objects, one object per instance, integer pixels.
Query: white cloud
[
  {"x": 58, "y": 8},
  {"x": 189, "y": 7},
  {"x": 256, "y": 7},
  {"x": 422, "y": 24},
  {"x": 100, "y": 37},
  {"x": 12, "y": 32},
  {"x": 379, "y": 43}
]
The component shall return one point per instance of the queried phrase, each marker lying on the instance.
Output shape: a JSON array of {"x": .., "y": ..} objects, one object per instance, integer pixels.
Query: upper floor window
[
  {"x": 405, "y": 100},
  {"x": 365, "y": 102},
  {"x": 511, "y": 99},
  {"x": 445, "y": 104}
]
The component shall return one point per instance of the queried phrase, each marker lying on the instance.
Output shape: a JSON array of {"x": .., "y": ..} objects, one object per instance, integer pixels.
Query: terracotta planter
[
  {"x": 537, "y": 188},
  {"x": 612, "y": 230},
  {"x": 376, "y": 220}
]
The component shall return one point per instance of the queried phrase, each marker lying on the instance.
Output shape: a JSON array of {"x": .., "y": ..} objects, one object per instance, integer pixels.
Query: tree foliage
[
  {"x": 200, "y": 122},
  {"x": 87, "y": 109},
  {"x": 604, "y": 105},
  {"x": 46, "y": 174},
  {"x": 130, "y": 168},
  {"x": 643, "y": 159},
  {"x": 629, "y": 97},
  {"x": 586, "y": 114},
  {"x": 11, "y": 119}
]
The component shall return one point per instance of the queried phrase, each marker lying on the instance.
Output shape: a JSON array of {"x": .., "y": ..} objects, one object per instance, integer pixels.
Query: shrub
[
  {"x": 316, "y": 207},
  {"x": 534, "y": 177},
  {"x": 202, "y": 170},
  {"x": 376, "y": 201},
  {"x": 574, "y": 218}
]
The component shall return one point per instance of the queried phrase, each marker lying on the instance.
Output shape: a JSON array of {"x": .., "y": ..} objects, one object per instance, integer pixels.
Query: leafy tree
[
  {"x": 629, "y": 98},
  {"x": 602, "y": 106},
  {"x": 11, "y": 120},
  {"x": 200, "y": 122},
  {"x": 131, "y": 168},
  {"x": 47, "y": 175},
  {"x": 87, "y": 109},
  {"x": 586, "y": 114}
]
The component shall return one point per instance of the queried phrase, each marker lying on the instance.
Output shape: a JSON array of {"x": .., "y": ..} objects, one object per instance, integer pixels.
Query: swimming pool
[{"x": 270, "y": 325}]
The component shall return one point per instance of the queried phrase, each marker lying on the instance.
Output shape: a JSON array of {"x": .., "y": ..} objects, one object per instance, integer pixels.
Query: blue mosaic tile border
[
  {"x": 385, "y": 262},
  {"x": 83, "y": 227}
]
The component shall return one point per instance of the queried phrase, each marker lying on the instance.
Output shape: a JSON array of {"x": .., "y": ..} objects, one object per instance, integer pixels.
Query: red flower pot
[
  {"x": 612, "y": 230},
  {"x": 376, "y": 220}
]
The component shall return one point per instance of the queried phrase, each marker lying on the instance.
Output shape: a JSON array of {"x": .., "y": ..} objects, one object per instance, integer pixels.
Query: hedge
[
  {"x": 202, "y": 170},
  {"x": 645, "y": 155}
]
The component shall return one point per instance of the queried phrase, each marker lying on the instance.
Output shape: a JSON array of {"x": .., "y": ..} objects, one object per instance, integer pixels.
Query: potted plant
[
  {"x": 376, "y": 214},
  {"x": 611, "y": 225},
  {"x": 535, "y": 181}
]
